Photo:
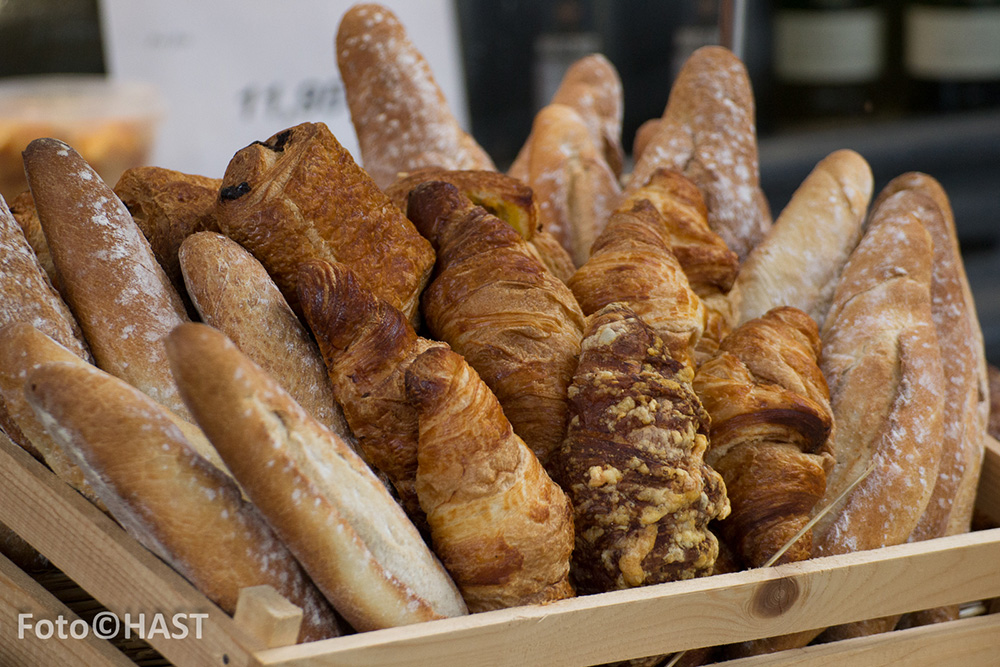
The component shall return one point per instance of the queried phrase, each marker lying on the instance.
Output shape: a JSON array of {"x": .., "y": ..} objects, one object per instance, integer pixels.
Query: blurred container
[{"x": 112, "y": 124}]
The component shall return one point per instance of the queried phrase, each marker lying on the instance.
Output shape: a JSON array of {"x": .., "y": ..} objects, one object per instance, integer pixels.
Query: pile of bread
[{"x": 425, "y": 388}]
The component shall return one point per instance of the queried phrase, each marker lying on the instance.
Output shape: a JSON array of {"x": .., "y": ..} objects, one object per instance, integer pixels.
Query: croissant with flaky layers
[
  {"x": 501, "y": 526},
  {"x": 632, "y": 462},
  {"x": 771, "y": 417}
]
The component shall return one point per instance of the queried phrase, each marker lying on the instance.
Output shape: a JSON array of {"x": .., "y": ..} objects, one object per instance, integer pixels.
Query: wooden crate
[{"x": 126, "y": 578}]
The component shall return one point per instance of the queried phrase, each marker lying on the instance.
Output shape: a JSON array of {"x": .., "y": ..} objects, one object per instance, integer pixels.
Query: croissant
[
  {"x": 631, "y": 262},
  {"x": 507, "y": 198},
  {"x": 367, "y": 345},
  {"x": 500, "y": 308},
  {"x": 770, "y": 410},
  {"x": 632, "y": 461},
  {"x": 711, "y": 267},
  {"x": 502, "y": 528}
]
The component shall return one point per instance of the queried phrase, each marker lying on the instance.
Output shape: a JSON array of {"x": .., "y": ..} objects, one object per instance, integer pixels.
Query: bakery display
[{"x": 413, "y": 387}]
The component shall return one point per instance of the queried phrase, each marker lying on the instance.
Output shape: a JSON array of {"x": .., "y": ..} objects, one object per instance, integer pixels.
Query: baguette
[
  {"x": 321, "y": 499},
  {"x": 707, "y": 133},
  {"x": 233, "y": 293},
  {"x": 400, "y": 115},
  {"x": 112, "y": 282},
  {"x": 799, "y": 262},
  {"x": 23, "y": 209},
  {"x": 165, "y": 495}
]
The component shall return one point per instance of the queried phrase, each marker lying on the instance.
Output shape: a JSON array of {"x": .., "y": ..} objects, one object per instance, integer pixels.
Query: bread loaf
[
  {"x": 320, "y": 498},
  {"x": 113, "y": 284},
  {"x": 300, "y": 195},
  {"x": 23, "y": 209},
  {"x": 233, "y": 293},
  {"x": 798, "y": 264},
  {"x": 165, "y": 495},
  {"x": 399, "y": 113},
  {"x": 707, "y": 133}
]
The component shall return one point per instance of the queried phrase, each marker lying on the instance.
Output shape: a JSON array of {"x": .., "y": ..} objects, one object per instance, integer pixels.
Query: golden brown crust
[
  {"x": 168, "y": 206},
  {"x": 367, "y": 346},
  {"x": 22, "y": 207},
  {"x": 882, "y": 361},
  {"x": 165, "y": 495},
  {"x": 770, "y": 415},
  {"x": 300, "y": 196},
  {"x": 233, "y": 293},
  {"x": 707, "y": 132},
  {"x": 505, "y": 197},
  {"x": 501, "y": 526},
  {"x": 799, "y": 262},
  {"x": 632, "y": 263},
  {"x": 632, "y": 462},
  {"x": 575, "y": 187},
  {"x": 643, "y": 136},
  {"x": 399, "y": 113},
  {"x": 495, "y": 304},
  {"x": 116, "y": 289},
  {"x": 321, "y": 499}
]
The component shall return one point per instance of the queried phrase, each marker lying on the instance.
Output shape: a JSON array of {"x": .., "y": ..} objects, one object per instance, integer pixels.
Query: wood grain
[{"x": 99, "y": 556}]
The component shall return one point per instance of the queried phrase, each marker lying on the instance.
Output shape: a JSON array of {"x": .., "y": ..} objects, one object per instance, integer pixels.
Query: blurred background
[{"x": 912, "y": 85}]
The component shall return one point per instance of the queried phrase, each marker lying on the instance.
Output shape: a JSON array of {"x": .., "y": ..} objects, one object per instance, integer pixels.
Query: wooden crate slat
[
  {"x": 20, "y": 594},
  {"x": 98, "y": 555},
  {"x": 670, "y": 617},
  {"x": 971, "y": 642},
  {"x": 988, "y": 496}
]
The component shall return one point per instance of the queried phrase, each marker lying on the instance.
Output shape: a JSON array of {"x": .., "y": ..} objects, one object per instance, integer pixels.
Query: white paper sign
[{"x": 237, "y": 71}]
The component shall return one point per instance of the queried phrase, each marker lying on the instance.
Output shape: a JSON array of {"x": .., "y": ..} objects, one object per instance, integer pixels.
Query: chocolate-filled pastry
[
  {"x": 632, "y": 263},
  {"x": 770, "y": 413},
  {"x": 399, "y": 113},
  {"x": 502, "y": 528},
  {"x": 300, "y": 195},
  {"x": 367, "y": 346},
  {"x": 505, "y": 197},
  {"x": 498, "y": 306},
  {"x": 633, "y": 461}
]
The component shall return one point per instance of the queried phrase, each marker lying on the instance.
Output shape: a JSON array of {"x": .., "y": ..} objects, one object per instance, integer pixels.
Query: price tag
[{"x": 236, "y": 71}]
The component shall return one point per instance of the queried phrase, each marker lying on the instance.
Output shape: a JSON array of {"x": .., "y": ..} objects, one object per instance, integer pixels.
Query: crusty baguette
[
  {"x": 168, "y": 206},
  {"x": 233, "y": 293},
  {"x": 165, "y": 495},
  {"x": 707, "y": 132},
  {"x": 799, "y": 262},
  {"x": 23, "y": 349},
  {"x": 113, "y": 284},
  {"x": 882, "y": 361},
  {"x": 350, "y": 535},
  {"x": 399, "y": 113},
  {"x": 300, "y": 196},
  {"x": 23, "y": 209}
]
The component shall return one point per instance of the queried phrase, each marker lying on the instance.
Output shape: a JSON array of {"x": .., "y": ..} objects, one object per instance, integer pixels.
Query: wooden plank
[
  {"x": 105, "y": 561},
  {"x": 264, "y": 614},
  {"x": 24, "y": 642},
  {"x": 681, "y": 615},
  {"x": 971, "y": 642},
  {"x": 988, "y": 497}
]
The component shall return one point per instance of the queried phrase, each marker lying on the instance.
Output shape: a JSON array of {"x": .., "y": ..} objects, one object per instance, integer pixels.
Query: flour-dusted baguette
[
  {"x": 113, "y": 284},
  {"x": 400, "y": 115},
  {"x": 350, "y": 535},
  {"x": 799, "y": 262},
  {"x": 23, "y": 349},
  {"x": 233, "y": 293},
  {"x": 23, "y": 209},
  {"x": 707, "y": 132},
  {"x": 165, "y": 495}
]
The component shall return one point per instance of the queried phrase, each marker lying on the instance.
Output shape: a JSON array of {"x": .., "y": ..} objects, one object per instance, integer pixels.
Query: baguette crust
[
  {"x": 799, "y": 263},
  {"x": 708, "y": 134},
  {"x": 399, "y": 113},
  {"x": 319, "y": 497},
  {"x": 113, "y": 284},
  {"x": 301, "y": 196},
  {"x": 882, "y": 361},
  {"x": 165, "y": 495},
  {"x": 23, "y": 209},
  {"x": 233, "y": 293}
]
